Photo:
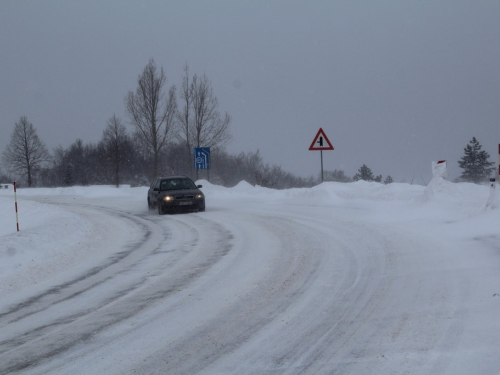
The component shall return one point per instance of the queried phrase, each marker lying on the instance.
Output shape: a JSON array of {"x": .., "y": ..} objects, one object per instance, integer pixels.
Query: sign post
[
  {"x": 202, "y": 159},
  {"x": 15, "y": 200},
  {"x": 492, "y": 202},
  {"x": 320, "y": 143}
]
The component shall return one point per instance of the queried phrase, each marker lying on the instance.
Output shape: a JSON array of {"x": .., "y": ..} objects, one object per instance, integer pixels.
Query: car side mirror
[
  {"x": 199, "y": 186},
  {"x": 156, "y": 189}
]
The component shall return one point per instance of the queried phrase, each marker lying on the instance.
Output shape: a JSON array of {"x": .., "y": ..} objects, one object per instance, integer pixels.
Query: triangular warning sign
[{"x": 321, "y": 142}]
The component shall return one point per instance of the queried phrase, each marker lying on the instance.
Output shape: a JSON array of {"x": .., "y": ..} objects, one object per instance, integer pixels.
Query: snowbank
[
  {"x": 47, "y": 233},
  {"x": 81, "y": 191}
]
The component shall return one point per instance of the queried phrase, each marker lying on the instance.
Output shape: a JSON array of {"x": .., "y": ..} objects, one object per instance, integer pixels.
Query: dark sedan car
[{"x": 174, "y": 194}]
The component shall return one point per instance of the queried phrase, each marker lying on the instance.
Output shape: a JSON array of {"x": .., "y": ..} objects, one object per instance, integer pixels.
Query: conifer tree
[
  {"x": 388, "y": 180},
  {"x": 475, "y": 164},
  {"x": 364, "y": 173}
]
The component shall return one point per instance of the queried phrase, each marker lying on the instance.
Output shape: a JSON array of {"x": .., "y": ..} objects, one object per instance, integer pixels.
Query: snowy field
[{"x": 358, "y": 278}]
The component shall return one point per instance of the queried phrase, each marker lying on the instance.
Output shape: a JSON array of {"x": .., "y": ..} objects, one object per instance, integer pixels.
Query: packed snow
[{"x": 355, "y": 278}]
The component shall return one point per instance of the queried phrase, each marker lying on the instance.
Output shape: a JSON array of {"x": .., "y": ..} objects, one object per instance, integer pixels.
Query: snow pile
[
  {"x": 462, "y": 196},
  {"x": 325, "y": 193},
  {"x": 494, "y": 199},
  {"x": 242, "y": 191},
  {"x": 100, "y": 191},
  {"x": 439, "y": 169},
  {"x": 244, "y": 186},
  {"x": 440, "y": 188},
  {"x": 374, "y": 191},
  {"x": 47, "y": 232}
]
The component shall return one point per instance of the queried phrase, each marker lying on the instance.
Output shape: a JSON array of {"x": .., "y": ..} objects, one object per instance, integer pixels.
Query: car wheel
[
  {"x": 150, "y": 206},
  {"x": 160, "y": 209},
  {"x": 201, "y": 209}
]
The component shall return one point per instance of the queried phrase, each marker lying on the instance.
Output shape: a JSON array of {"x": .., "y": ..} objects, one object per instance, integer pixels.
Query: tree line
[
  {"x": 121, "y": 158},
  {"x": 162, "y": 143},
  {"x": 475, "y": 166},
  {"x": 165, "y": 134}
]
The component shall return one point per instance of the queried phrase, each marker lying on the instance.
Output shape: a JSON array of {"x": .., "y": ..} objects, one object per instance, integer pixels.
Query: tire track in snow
[
  {"x": 37, "y": 324},
  {"x": 329, "y": 297},
  {"x": 292, "y": 271},
  {"x": 347, "y": 319},
  {"x": 283, "y": 324},
  {"x": 80, "y": 284},
  {"x": 338, "y": 290}
]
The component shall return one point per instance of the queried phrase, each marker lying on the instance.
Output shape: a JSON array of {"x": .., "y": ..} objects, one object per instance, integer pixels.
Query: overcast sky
[{"x": 394, "y": 84}]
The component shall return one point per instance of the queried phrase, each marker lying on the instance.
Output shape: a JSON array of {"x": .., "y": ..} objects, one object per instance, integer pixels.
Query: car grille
[{"x": 182, "y": 197}]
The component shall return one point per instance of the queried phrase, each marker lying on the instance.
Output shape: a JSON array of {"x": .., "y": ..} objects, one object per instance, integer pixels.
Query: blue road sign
[{"x": 202, "y": 158}]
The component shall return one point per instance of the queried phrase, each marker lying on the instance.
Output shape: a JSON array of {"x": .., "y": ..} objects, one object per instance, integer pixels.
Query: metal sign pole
[
  {"x": 321, "y": 165},
  {"x": 318, "y": 144}
]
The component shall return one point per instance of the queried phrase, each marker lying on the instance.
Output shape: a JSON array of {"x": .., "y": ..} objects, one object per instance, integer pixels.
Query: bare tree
[
  {"x": 202, "y": 125},
  {"x": 183, "y": 115},
  {"x": 336, "y": 175},
  {"x": 25, "y": 154},
  {"x": 210, "y": 129},
  {"x": 151, "y": 111},
  {"x": 4, "y": 178},
  {"x": 115, "y": 141}
]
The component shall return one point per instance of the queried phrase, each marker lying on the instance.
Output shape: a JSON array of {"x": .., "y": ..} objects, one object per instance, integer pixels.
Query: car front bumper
[{"x": 185, "y": 204}]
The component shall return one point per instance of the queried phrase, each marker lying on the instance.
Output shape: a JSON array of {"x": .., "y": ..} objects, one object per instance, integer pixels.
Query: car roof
[{"x": 173, "y": 177}]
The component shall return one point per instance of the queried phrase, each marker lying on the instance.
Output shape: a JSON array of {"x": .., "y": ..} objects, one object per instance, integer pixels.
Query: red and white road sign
[{"x": 320, "y": 142}]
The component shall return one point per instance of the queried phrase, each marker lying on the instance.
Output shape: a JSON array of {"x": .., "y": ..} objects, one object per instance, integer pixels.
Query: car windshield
[{"x": 177, "y": 184}]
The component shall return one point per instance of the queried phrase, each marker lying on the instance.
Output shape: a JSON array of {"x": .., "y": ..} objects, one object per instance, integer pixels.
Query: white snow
[{"x": 350, "y": 278}]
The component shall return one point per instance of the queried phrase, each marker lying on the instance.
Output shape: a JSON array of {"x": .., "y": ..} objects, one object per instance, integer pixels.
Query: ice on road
[{"x": 357, "y": 278}]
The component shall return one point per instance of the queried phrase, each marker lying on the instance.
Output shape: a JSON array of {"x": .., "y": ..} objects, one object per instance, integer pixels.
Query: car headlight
[
  {"x": 199, "y": 196},
  {"x": 168, "y": 198}
]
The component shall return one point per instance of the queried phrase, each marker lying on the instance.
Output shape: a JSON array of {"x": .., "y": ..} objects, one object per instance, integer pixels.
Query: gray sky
[{"x": 394, "y": 84}]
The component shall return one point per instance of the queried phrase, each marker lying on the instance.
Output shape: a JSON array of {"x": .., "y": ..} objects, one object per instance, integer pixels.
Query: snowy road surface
[{"x": 356, "y": 278}]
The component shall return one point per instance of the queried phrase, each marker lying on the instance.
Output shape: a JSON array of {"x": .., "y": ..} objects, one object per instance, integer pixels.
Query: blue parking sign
[{"x": 202, "y": 158}]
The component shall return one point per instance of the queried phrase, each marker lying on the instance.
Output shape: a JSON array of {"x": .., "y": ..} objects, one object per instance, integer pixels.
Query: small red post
[{"x": 15, "y": 199}]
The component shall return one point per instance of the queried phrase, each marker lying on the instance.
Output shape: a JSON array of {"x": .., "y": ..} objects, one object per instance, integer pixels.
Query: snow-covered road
[{"x": 355, "y": 278}]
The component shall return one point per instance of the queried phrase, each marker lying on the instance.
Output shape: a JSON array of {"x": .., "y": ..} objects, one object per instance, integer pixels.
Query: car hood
[{"x": 181, "y": 192}]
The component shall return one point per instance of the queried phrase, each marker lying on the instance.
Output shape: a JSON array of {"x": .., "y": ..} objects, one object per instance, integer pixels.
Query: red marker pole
[
  {"x": 322, "y": 180},
  {"x": 15, "y": 199}
]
